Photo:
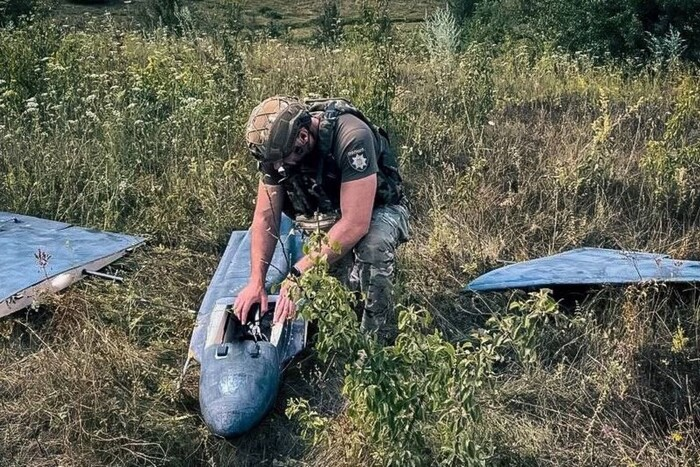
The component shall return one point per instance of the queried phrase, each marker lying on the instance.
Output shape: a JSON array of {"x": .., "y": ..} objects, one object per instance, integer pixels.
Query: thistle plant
[
  {"x": 441, "y": 35},
  {"x": 666, "y": 50}
]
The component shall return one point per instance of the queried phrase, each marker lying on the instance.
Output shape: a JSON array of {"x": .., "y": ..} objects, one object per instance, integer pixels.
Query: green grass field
[
  {"x": 508, "y": 153},
  {"x": 296, "y": 17}
]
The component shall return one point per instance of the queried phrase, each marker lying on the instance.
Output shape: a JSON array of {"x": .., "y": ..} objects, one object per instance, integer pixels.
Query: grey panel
[
  {"x": 588, "y": 266},
  {"x": 23, "y": 238},
  {"x": 9, "y": 221}
]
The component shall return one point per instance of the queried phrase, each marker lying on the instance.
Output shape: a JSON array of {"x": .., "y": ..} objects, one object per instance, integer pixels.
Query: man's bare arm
[
  {"x": 264, "y": 230},
  {"x": 356, "y": 204},
  {"x": 264, "y": 235}
]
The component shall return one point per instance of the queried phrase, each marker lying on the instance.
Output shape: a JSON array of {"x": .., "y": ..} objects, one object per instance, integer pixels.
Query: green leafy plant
[
  {"x": 665, "y": 51},
  {"x": 441, "y": 35},
  {"x": 419, "y": 398},
  {"x": 329, "y": 25},
  {"x": 671, "y": 163},
  {"x": 312, "y": 424}
]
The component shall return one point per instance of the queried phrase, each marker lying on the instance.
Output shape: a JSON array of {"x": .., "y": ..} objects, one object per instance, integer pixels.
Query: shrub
[
  {"x": 169, "y": 14},
  {"x": 329, "y": 26},
  {"x": 441, "y": 35},
  {"x": 417, "y": 401},
  {"x": 665, "y": 51},
  {"x": 13, "y": 11},
  {"x": 603, "y": 28}
]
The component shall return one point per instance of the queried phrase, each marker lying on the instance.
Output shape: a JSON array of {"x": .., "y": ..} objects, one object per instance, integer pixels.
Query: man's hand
[
  {"x": 285, "y": 307},
  {"x": 251, "y": 294}
]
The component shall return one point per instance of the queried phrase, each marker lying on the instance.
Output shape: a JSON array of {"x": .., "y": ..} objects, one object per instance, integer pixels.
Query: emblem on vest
[{"x": 358, "y": 161}]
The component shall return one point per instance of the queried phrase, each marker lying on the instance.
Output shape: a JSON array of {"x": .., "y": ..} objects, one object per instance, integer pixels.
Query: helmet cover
[{"x": 273, "y": 127}]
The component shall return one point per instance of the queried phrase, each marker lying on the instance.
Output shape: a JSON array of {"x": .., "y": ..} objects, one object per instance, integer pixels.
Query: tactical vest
[{"x": 306, "y": 198}]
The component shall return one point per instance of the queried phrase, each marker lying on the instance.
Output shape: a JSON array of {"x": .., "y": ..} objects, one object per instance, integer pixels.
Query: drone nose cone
[{"x": 238, "y": 385}]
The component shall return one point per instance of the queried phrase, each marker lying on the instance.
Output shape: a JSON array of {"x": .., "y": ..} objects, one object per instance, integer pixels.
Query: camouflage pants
[{"x": 369, "y": 268}]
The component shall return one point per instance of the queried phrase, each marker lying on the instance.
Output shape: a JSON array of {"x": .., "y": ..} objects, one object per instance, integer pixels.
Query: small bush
[
  {"x": 417, "y": 401},
  {"x": 14, "y": 11},
  {"x": 329, "y": 26},
  {"x": 169, "y": 14},
  {"x": 665, "y": 51},
  {"x": 441, "y": 35}
]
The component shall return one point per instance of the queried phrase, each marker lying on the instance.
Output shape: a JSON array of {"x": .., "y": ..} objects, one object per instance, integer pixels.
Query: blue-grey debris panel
[
  {"x": 39, "y": 256},
  {"x": 241, "y": 364},
  {"x": 588, "y": 266}
]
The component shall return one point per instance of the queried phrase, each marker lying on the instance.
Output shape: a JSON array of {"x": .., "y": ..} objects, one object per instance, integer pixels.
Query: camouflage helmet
[{"x": 273, "y": 127}]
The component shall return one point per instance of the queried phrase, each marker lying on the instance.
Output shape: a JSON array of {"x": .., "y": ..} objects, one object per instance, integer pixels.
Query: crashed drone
[{"x": 241, "y": 365}]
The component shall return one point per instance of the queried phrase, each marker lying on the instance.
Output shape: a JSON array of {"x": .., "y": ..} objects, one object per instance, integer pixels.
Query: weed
[
  {"x": 441, "y": 35},
  {"x": 329, "y": 26},
  {"x": 666, "y": 51}
]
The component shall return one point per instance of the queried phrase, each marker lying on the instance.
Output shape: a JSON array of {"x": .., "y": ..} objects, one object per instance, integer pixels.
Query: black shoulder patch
[{"x": 358, "y": 159}]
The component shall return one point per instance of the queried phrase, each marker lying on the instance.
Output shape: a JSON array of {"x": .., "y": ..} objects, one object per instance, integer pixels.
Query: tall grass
[{"x": 507, "y": 156}]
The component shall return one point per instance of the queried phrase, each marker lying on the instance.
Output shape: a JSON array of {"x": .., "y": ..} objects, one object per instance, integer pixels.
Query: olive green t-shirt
[{"x": 354, "y": 148}]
